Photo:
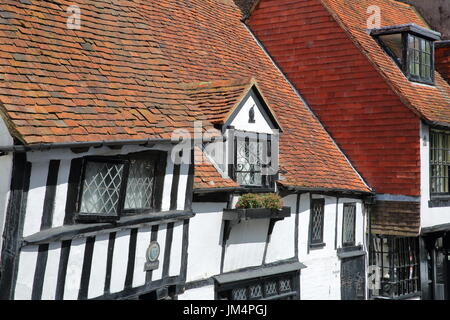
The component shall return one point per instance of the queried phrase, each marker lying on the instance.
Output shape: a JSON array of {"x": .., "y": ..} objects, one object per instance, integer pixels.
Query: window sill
[
  {"x": 314, "y": 246},
  {"x": 439, "y": 201},
  {"x": 404, "y": 297},
  {"x": 69, "y": 232}
]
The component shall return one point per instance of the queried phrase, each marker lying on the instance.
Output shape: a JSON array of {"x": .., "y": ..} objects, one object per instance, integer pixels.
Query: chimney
[{"x": 442, "y": 57}]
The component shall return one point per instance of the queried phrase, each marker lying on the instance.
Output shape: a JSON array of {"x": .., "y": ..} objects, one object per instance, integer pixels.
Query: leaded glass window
[
  {"x": 420, "y": 58},
  {"x": 101, "y": 187},
  {"x": 279, "y": 287},
  {"x": 348, "y": 224},
  {"x": 140, "y": 185},
  {"x": 252, "y": 166},
  {"x": 316, "y": 223},
  {"x": 413, "y": 54},
  {"x": 111, "y": 187},
  {"x": 439, "y": 162}
]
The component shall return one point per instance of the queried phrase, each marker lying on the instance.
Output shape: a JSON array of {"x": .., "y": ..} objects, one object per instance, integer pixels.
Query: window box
[
  {"x": 233, "y": 216},
  {"x": 256, "y": 213}
]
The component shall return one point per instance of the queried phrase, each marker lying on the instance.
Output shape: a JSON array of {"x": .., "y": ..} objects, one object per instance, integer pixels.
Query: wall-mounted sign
[{"x": 152, "y": 256}]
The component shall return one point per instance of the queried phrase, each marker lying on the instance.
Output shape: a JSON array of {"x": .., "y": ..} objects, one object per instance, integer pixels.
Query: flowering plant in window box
[{"x": 258, "y": 206}]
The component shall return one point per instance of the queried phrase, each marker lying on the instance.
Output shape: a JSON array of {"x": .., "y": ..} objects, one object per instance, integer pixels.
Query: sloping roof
[
  {"x": 107, "y": 81},
  {"x": 215, "y": 99},
  {"x": 219, "y": 46},
  {"x": 207, "y": 176},
  {"x": 432, "y": 103},
  {"x": 119, "y": 76}
]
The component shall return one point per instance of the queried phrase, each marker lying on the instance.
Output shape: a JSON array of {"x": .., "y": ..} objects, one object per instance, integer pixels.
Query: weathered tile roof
[
  {"x": 432, "y": 103},
  {"x": 107, "y": 81},
  {"x": 215, "y": 99},
  {"x": 119, "y": 76},
  {"x": 207, "y": 176}
]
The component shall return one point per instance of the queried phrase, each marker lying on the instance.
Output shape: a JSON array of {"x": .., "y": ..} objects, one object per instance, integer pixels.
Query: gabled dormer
[
  {"x": 412, "y": 49},
  {"x": 248, "y": 153}
]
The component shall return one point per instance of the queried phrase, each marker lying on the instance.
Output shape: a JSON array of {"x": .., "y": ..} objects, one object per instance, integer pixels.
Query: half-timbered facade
[{"x": 98, "y": 202}]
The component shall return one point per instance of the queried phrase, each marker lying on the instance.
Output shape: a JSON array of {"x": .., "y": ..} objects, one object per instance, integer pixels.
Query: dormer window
[{"x": 412, "y": 49}]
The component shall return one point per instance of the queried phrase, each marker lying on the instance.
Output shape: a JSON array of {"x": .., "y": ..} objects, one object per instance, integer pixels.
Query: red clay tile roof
[
  {"x": 207, "y": 176},
  {"x": 215, "y": 99},
  {"x": 430, "y": 102},
  {"x": 118, "y": 77},
  {"x": 107, "y": 81},
  {"x": 219, "y": 46}
]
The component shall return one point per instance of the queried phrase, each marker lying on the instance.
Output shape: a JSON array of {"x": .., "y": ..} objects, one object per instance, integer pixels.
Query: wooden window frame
[
  {"x": 397, "y": 285},
  {"x": 159, "y": 160},
  {"x": 316, "y": 243},
  {"x": 224, "y": 292},
  {"x": 267, "y": 181},
  {"x": 353, "y": 242},
  {"x": 438, "y": 195},
  {"x": 406, "y": 56}
]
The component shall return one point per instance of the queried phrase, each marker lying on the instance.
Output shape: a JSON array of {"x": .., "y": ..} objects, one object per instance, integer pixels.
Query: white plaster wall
[
  {"x": 5, "y": 176},
  {"x": 240, "y": 122},
  {"x": 428, "y": 216},
  {"x": 205, "y": 238},
  {"x": 245, "y": 247},
  {"x": 5, "y": 183},
  {"x": 321, "y": 279},
  {"x": 282, "y": 241},
  {"x": 203, "y": 293}
]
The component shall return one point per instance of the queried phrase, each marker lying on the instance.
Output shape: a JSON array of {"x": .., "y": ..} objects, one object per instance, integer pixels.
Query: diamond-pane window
[
  {"x": 112, "y": 187},
  {"x": 285, "y": 285},
  {"x": 101, "y": 188},
  {"x": 140, "y": 185},
  {"x": 276, "y": 287},
  {"x": 316, "y": 224},
  {"x": 271, "y": 288},
  {"x": 239, "y": 294},
  {"x": 348, "y": 224}
]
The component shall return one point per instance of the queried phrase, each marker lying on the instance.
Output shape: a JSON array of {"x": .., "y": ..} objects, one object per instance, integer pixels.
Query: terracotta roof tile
[
  {"x": 62, "y": 85},
  {"x": 207, "y": 176},
  {"x": 430, "y": 102}
]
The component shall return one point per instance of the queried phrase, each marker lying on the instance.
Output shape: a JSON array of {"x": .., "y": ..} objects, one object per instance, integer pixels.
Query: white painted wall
[
  {"x": 428, "y": 216},
  {"x": 245, "y": 247},
  {"x": 5, "y": 176},
  {"x": 282, "y": 241},
  {"x": 205, "y": 238},
  {"x": 240, "y": 122},
  {"x": 5, "y": 184},
  {"x": 203, "y": 293}
]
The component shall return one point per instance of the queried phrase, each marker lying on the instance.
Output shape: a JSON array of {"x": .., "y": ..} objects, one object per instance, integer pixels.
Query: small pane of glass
[
  {"x": 248, "y": 158},
  {"x": 439, "y": 161},
  {"x": 140, "y": 185},
  {"x": 317, "y": 216},
  {"x": 101, "y": 188},
  {"x": 420, "y": 59},
  {"x": 349, "y": 216}
]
